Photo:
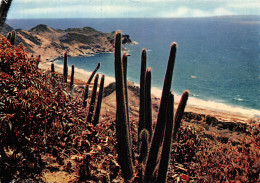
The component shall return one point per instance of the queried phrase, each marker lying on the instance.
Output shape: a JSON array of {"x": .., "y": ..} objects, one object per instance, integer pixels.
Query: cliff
[{"x": 51, "y": 43}]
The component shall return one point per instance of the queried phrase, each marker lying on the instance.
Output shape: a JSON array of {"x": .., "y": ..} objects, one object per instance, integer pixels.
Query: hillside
[{"x": 51, "y": 43}]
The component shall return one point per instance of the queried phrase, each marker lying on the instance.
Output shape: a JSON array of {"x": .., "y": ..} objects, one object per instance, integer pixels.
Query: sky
[{"x": 130, "y": 8}]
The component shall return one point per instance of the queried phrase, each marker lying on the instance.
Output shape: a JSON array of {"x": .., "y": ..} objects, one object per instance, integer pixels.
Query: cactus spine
[
  {"x": 65, "y": 67},
  {"x": 72, "y": 77},
  {"x": 160, "y": 126},
  {"x": 125, "y": 156},
  {"x": 93, "y": 99},
  {"x": 100, "y": 95}
]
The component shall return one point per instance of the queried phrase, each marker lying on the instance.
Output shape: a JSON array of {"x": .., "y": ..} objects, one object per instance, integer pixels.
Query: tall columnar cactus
[
  {"x": 85, "y": 95},
  {"x": 65, "y": 67},
  {"x": 160, "y": 126},
  {"x": 179, "y": 112},
  {"x": 4, "y": 8},
  {"x": 93, "y": 100},
  {"x": 163, "y": 133},
  {"x": 72, "y": 77},
  {"x": 142, "y": 92},
  {"x": 124, "y": 62},
  {"x": 124, "y": 148},
  {"x": 148, "y": 102},
  {"x": 11, "y": 37},
  {"x": 100, "y": 95},
  {"x": 162, "y": 173},
  {"x": 52, "y": 67}
]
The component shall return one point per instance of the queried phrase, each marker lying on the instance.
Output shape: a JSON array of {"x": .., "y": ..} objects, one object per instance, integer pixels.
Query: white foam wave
[{"x": 213, "y": 105}]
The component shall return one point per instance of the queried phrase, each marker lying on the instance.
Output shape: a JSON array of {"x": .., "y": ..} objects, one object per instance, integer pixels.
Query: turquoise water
[{"x": 217, "y": 58}]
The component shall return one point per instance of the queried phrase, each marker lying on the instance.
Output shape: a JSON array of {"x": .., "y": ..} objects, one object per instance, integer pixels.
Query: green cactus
[
  {"x": 148, "y": 102},
  {"x": 144, "y": 145},
  {"x": 12, "y": 38},
  {"x": 52, "y": 67},
  {"x": 163, "y": 167},
  {"x": 65, "y": 67},
  {"x": 142, "y": 92},
  {"x": 85, "y": 95},
  {"x": 93, "y": 100},
  {"x": 100, "y": 95},
  {"x": 124, "y": 62},
  {"x": 160, "y": 126},
  {"x": 4, "y": 8},
  {"x": 72, "y": 77},
  {"x": 163, "y": 134},
  {"x": 124, "y": 148},
  {"x": 8, "y": 37},
  {"x": 179, "y": 112}
]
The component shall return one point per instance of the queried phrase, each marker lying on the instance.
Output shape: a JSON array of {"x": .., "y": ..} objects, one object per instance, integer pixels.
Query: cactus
[
  {"x": 179, "y": 112},
  {"x": 124, "y": 62},
  {"x": 162, "y": 173},
  {"x": 142, "y": 94},
  {"x": 144, "y": 145},
  {"x": 52, "y": 67},
  {"x": 72, "y": 77},
  {"x": 8, "y": 37},
  {"x": 148, "y": 102},
  {"x": 163, "y": 133},
  {"x": 160, "y": 126},
  {"x": 85, "y": 95},
  {"x": 124, "y": 148},
  {"x": 4, "y": 8},
  {"x": 12, "y": 38},
  {"x": 65, "y": 67},
  {"x": 93, "y": 100},
  {"x": 100, "y": 95}
]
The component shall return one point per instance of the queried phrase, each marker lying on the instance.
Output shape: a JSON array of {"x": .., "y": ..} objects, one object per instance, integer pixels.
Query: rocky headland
[{"x": 51, "y": 43}]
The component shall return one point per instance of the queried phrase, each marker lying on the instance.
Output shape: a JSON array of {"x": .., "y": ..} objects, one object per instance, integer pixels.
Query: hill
[{"x": 51, "y": 43}]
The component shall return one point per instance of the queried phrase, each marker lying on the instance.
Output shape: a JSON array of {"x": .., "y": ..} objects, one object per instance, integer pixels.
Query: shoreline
[{"x": 221, "y": 111}]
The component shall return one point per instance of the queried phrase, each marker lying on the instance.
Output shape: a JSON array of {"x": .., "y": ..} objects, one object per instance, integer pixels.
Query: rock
[
  {"x": 126, "y": 39},
  {"x": 210, "y": 120}
]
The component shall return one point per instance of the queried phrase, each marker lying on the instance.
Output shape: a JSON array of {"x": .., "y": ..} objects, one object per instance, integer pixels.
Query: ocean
[{"x": 218, "y": 58}]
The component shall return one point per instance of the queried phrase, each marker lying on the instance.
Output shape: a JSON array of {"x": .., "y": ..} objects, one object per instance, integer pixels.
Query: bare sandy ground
[{"x": 221, "y": 111}]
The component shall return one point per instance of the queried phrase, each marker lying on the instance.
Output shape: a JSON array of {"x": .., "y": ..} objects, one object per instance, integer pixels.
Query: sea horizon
[{"x": 196, "y": 73}]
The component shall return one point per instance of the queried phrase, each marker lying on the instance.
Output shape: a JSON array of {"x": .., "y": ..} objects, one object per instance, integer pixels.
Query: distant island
[{"x": 51, "y": 43}]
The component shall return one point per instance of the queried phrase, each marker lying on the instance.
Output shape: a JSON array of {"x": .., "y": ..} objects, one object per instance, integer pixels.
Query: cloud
[
  {"x": 130, "y": 8},
  {"x": 188, "y": 12},
  {"x": 243, "y": 4},
  {"x": 81, "y": 10}
]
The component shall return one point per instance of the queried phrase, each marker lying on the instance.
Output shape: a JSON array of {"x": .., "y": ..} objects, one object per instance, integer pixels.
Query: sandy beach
[{"x": 221, "y": 111}]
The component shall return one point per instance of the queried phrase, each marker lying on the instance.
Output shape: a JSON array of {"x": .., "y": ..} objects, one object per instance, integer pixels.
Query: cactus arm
[
  {"x": 148, "y": 102},
  {"x": 93, "y": 100},
  {"x": 65, "y": 66},
  {"x": 142, "y": 94},
  {"x": 100, "y": 95},
  {"x": 85, "y": 95},
  {"x": 179, "y": 112},
  {"x": 72, "y": 77},
  {"x": 163, "y": 167},
  {"x": 124, "y": 62}
]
